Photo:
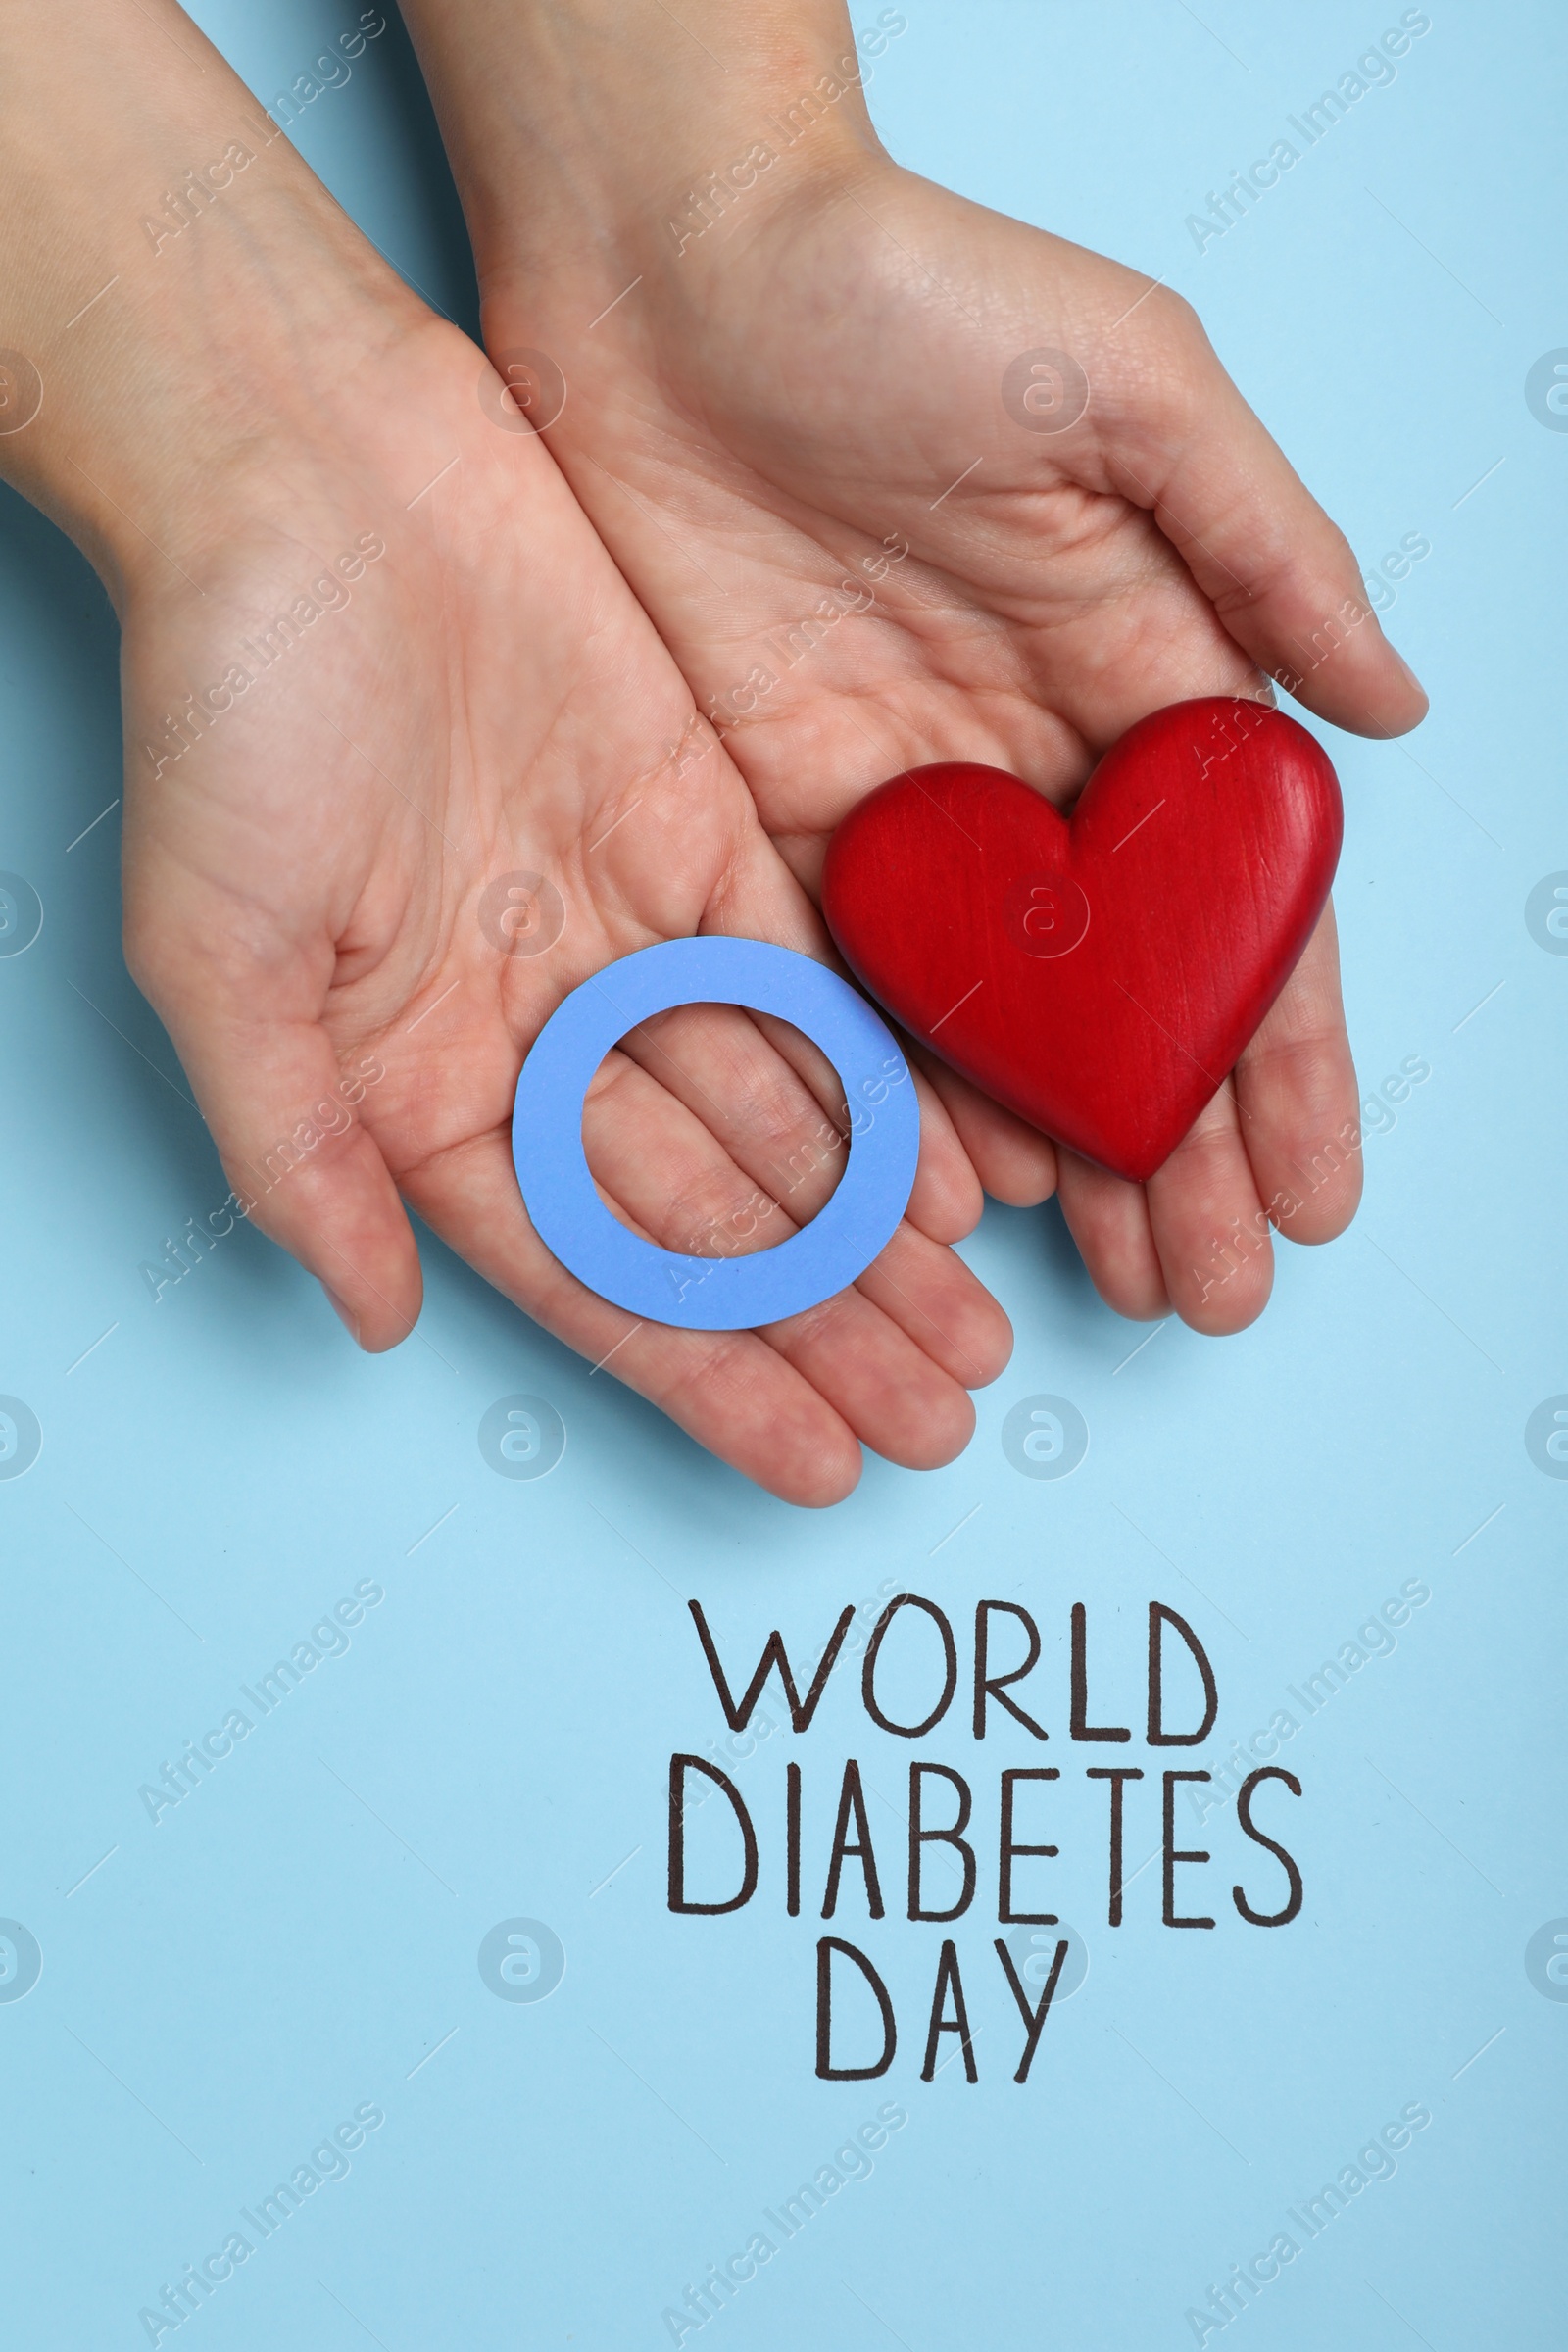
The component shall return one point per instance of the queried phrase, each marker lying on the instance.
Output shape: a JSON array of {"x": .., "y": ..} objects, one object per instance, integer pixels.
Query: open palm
[
  {"x": 901, "y": 480},
  {"x": 469, "y": 694}
]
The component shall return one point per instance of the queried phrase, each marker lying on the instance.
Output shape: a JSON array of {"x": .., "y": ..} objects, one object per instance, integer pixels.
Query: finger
[
  {"x": 899, "y": 1401},
  {"x": 677, "y": 1186},
  {"x": 713, "y": 1061},
  {"x": 761, "y": 899},
  {"x": 676, "y": 1182},
  {"x": 285, "y": 1118},
  {"x": 1280, "y": 573},
  {"x": 948, "y": 1198},
  {"x": 1013, "y": 1161},
  {"x": 1108, "y": 1219},
  {"x": 929, "y": 1292},
  {"x": 668, "y": 1177},
  {"x": 730, "y": 1391},
  {"x": 1209, "y": 1227},
  {"x": 774, "y": 1101},
  {"x": 1297, "y": 1094}
]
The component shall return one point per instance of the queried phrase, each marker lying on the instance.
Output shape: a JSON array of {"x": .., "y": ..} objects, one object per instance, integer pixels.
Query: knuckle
[
  {"x": 720, "y": 1199},
  {"x": 719, "y": 1378}
]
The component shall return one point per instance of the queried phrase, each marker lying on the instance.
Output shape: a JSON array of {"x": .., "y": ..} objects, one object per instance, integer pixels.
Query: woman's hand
[
  {"x": 899, "y": 480},
  {"x": 316, "y": 883},
  {"x": 377, "y": 667}
]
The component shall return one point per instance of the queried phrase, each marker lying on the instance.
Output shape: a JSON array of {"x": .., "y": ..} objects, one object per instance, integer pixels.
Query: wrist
[
  {"x": 227, "y": 418},
  {"x": 176, "y": 318},
  {"x": 598, "y": 140}
]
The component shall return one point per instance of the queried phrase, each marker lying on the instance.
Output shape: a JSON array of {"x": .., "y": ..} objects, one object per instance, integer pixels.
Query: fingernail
[{"x": 349, "y": 1321}]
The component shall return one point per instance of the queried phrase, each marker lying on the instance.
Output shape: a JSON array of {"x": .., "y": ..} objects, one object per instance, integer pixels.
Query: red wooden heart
[{"x": 1099, "y": 974}]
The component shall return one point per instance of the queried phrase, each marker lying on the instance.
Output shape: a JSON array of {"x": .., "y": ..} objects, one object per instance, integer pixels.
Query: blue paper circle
[{"x": 705, "y": 1293}]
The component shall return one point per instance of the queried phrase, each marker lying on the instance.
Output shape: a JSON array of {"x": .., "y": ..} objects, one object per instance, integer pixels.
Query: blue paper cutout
[{"x": 705, "y": 1293}]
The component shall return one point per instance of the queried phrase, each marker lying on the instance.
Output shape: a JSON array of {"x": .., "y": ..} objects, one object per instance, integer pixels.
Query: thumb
[
  {"x": 1280, "y": 574},
  {"x": 285, "y": 1117}
]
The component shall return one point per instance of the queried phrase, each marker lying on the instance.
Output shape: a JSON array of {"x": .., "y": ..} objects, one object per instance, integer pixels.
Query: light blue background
[{"x": 300, "y": 1934}]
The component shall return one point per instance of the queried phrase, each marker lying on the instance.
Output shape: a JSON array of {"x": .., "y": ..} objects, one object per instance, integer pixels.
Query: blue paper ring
[{"x": 706, "y": 1294}]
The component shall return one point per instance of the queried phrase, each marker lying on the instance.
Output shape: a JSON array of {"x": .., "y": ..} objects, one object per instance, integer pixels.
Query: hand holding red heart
[
  {"x": 897, "y": 483},
  {"x": 802, "y": 432}
]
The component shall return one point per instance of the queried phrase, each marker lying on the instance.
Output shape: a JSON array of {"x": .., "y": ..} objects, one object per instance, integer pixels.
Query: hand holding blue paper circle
[{"x": 703, "y": 1294}]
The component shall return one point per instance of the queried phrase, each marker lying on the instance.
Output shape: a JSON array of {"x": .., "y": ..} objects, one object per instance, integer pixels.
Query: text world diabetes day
[{"x": 986, "y": 1833}]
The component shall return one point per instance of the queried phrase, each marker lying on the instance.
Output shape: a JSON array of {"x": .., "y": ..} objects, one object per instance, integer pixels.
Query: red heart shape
[{"x": 1099, "y": 974}]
